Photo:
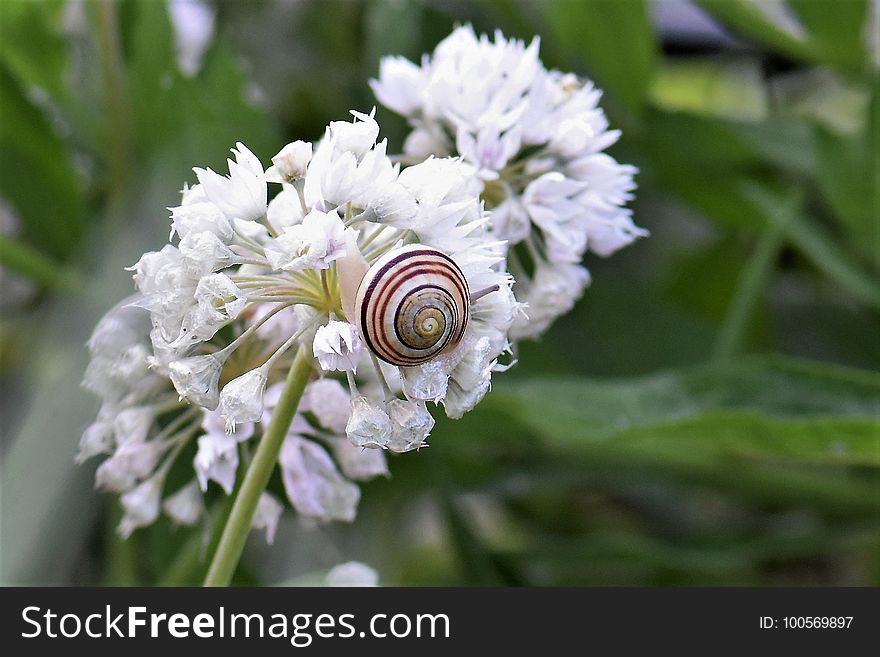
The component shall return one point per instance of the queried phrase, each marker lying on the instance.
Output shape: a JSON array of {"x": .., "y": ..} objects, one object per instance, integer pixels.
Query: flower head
[
  {"x": 337, "y": 346},
  {"x": 199, "y": 358},
  {"x": 534, "y": 140}
]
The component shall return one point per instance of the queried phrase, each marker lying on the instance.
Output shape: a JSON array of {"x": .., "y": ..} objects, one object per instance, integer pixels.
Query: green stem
[
  {"x": 188, "y": 567},
  {"x": 256, "y": 478},
  {"x": 27, "y": 261},
  {"x": 751, "y": 287}
]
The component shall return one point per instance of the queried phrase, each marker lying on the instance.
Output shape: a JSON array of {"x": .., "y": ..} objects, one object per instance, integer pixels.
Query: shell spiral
[{"x": 412, "y": 304}]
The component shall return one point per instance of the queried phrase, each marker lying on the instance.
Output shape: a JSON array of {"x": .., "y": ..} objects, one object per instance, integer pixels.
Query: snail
[{"x": 413, "y": 304}]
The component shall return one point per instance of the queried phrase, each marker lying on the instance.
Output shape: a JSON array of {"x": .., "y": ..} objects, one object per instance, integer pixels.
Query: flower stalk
[{"x": 238, "y": 525}]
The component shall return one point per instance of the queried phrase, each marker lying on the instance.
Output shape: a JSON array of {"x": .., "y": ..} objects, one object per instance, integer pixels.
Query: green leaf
[
  {"x": 693, "y": 560},
  {"x": 837, "y": 29},
  {"x": 25, "y": 260},
  {"x": 711, "y": 86},
  {"x": 815, "y": 243},
  {"x": 823, "y": 97},
  {"x": 754, "y": 280},
  {"x": 32, "y": 47},
  {"x": 614, "y": 42},
  {"x": 704, "y": 162},
  {"x": 785, "y": 142},
  {"x": 36, "y": 173},
  {"x": 750, "y": 21},
  {"x": 198, "y": 119},
  {"x": 774, "y": 391},
  {"x": 843, "y": 163}
]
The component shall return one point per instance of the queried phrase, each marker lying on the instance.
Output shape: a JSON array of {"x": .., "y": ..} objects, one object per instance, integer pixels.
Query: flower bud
[
  {"x": 267, "y": 515},
  {"x": 141, "y": 505},
  {"x": 216, "y": 459},
  {"x": 241, "y": 400},
  {"x": 337, "y": 346},
  {"x": 196, "y": 379},
  {"x": 369, "y": 424},
  {"x": 291, "y": 162},
  {"x": 410, "y": 425},
  {"x": 186, "y": 506}
]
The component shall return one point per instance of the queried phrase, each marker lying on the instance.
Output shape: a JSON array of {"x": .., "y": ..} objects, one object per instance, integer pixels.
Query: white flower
[
  {"x": 141, "y": 505},
  {"x": 167, "y": 289},
  {"x": 193, "y": 23},
  {"x": 235, "y": 255},
  {"x": 196, "y": 379},
  {"x": 267, "y": 515},
  {"x": 357, "y": 136},
  {"x": 399, "y": 85},
  {"x": 285, "y": 209},
  {"x": 410, "y": 425},
  {"x": 241, "y": 400},
  {"x": 369, "y": 424},
  {"x": 552, "y": 205},
  {"x": 426, "y": 382},
  {"x": 460, "y": 400},
  {"x": 113, "y": 476},
  {"x": 243, "y": 194},
  {"x": 346, "y": 168},
  {"x": 216, "y": 459},
  {"x": 219, "y": 299},
  {"x": 124, "y": 372},
  {"x": 186, "y": 506},
  {"x": 552, "y": 291},
  {"x": 200, "y": 217},
  {"x": 531, "y": 139},
  {"x": 131, "y": 462},
  {"x": 475, "y": 365},
  {"x": 421, "y": 144},
  {"x": 337, "y": 346},
  {"x": 352, "y": 573},
  {"x": 96, "y": 439},
  {"x": 330, "y": 402},
  {"x": 313, "y": 484},
  {"x": 203, "y": 252},
  {"x": 313, "y": 244},
  {"x": 471, "y": 378},
  {"x": 489, "y": 150},
  {"x": 254, "y": 231},
  {"x": 213, "y": 423},
  {"x": 291, "y": 163},
  {"x": 359, "y": 463},
  {"x": 609, "y": 232},
  {"x": 510, "y": 221}
]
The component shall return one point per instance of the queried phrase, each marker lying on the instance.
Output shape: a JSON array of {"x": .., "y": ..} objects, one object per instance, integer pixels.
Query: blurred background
[{"x": 708, "y": 413}]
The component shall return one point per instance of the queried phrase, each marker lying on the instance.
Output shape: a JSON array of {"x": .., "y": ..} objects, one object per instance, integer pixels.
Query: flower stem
[
  {"x": 256, "y": 478},
  {"x": 756, "y": 275}
]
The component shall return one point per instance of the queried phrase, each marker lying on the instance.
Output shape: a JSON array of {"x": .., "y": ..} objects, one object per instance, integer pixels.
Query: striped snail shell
[{"x": 411, "y": 305}]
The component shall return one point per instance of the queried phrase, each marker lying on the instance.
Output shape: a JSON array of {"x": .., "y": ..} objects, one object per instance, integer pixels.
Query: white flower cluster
[
  {"x": 248, "y": 282},
  {"x": 139, "y": 454},
  {"x": 265, "y": 267},
  {"x": 534, "y": 139}
]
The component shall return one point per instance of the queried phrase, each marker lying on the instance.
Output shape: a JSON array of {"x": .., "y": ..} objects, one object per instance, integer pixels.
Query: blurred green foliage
[{"x": 708, "y": 414}]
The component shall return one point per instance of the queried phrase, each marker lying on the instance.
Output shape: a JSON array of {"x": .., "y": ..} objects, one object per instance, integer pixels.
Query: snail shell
[{"x": 412, "y": 304}]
